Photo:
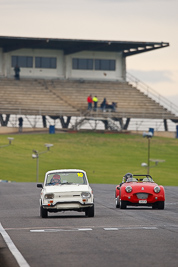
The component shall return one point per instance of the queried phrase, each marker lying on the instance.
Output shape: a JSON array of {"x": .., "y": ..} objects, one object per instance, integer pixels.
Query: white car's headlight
[
  {"x": 128, "y": 189},
  {"x": 85, "y": 194},
  {"x": 157, "y": 189},
  {"x": 49, "y": 196}
]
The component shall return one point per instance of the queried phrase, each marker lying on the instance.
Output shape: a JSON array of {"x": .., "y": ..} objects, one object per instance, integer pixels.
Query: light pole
[
  {"x": 10, "y": 141},
  {"x": 149, "y": 136},
  {"x": 36, "y": 154}
]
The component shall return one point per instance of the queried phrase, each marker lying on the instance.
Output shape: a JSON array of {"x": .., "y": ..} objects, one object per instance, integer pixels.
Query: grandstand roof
[{"x": 70, "y": 46}]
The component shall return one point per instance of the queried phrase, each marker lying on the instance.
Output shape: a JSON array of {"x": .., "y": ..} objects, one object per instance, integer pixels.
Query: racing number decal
[{"x": 80, "y": 174}]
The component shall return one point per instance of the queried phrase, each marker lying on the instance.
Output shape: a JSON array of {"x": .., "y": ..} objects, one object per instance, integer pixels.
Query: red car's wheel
[
  {"x": 117, "y": 202},
  {"x": 123, "y": 204},
  {"x": 158, "y": 205},
  {"x": 154, "y": 206},
  {"x": 161, "y": 205}
]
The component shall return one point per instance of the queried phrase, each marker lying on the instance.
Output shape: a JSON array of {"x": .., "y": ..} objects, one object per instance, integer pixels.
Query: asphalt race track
[{"x": 114, "y": 237}]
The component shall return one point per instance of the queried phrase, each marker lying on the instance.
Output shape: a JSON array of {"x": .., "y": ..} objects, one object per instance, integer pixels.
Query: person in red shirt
[{"x": 90, "y": 101}]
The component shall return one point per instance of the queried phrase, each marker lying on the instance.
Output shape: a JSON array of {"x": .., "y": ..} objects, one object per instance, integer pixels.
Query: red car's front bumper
[{"x": 134, "y": 199}]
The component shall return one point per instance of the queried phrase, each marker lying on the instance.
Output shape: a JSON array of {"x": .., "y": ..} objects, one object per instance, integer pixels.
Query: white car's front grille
[{"x": 67, "y": 196}]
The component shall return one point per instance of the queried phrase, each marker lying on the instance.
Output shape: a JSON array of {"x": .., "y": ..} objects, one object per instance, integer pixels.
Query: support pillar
[
  {"x": 44, "y": 121},
  {"x": 4, "y": 122},
  {"x": 126, "y": 125},
  {"x": 165, "y": 125},
  {"x": 64, "y": 123},
  {"x": 105, "y": 124}
]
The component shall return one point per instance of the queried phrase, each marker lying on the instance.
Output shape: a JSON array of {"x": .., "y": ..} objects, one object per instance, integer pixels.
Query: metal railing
[{"x": 147, "y": 90}]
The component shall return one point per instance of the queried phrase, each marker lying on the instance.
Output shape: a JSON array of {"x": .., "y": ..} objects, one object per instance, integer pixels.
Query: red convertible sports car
[{"x": 139, "y": 190}]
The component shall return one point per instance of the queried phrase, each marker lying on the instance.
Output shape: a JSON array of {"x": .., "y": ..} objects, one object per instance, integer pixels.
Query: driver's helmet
[
  {"x": 127, "y": 176},
  {"x": 56, "y": 179}
]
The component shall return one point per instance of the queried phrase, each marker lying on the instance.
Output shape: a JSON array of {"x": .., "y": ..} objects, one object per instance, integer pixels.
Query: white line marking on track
[
  {"x": 18, "y": 256},
  {"x": 70, "y": 228},
  {"x": 51, "y": 230},
  {"x": 38, "y": 231},
  {"x": 85, "y": 229},
  {"x": 60, "y": 230},
  {"x": 111, "y": 229},
  {"x": 90, "y": 229},
  {"x": 131, "y": 228}
]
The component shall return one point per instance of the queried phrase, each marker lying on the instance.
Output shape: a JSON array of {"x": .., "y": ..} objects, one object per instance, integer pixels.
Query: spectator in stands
[
  {"x": 17, "y": 72},
  {"x": 95, "y": 101},
  {"x": 111, "y": 107},
  {"x": 90, "y": 101},
  {"x": 114, "y": 105},
  {"x": 20, "y": 124},
  {"x": 103, "y": 104}
]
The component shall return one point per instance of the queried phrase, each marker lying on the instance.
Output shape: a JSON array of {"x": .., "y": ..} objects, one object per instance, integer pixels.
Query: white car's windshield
[{"x": 59, "y": 178}]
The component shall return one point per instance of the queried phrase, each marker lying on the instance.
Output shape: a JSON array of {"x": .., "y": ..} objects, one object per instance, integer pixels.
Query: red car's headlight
[
  {"x": 128, "y": 189},
  {"x": 157, "y": 189}
]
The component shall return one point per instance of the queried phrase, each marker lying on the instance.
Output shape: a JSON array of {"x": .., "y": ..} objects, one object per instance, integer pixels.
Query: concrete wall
[{"x": 12, "y": 130}]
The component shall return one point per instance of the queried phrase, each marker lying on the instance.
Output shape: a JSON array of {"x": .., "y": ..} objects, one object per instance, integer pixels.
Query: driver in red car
[
  {"x": 126, "y": 177},
  {"x": 56, "y": 179}
]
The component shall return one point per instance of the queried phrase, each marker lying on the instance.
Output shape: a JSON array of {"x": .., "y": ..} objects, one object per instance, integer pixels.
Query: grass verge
[{"x": 105, "y": 157}]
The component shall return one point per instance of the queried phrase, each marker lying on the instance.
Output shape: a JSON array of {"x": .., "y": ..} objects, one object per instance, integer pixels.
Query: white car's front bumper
[{"x": 60, "y": 206}]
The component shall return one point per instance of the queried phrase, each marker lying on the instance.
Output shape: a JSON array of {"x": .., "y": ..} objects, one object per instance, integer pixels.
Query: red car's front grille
[{"x": 142, "y": 195}]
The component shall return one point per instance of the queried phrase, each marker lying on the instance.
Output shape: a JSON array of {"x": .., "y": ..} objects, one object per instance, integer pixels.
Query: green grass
[{"x": 105, "y": 157}]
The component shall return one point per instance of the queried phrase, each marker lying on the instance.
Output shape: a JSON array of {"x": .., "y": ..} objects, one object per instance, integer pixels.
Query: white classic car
[{"x": 65, "y": 190}]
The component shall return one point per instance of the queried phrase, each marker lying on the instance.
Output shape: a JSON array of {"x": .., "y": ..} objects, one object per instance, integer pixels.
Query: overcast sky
[{"x": 121, "y": 20}]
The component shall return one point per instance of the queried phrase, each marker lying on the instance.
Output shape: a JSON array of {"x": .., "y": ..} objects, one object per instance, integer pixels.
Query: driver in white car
[{"x": 56, "y": 179}]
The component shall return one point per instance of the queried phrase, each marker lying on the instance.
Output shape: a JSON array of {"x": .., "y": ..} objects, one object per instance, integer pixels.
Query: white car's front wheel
[
  {"x": 43, "y": 212},
  {"x": 90, "y": 212}
]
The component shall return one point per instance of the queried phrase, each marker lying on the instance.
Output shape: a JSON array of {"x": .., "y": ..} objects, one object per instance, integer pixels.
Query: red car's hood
[{"x": 141, "y": 186}]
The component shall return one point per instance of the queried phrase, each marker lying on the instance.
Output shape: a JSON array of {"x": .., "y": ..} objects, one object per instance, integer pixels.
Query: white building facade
[
  {"x": 54, "y": 64},
  {"x": 69, "y": 58}
]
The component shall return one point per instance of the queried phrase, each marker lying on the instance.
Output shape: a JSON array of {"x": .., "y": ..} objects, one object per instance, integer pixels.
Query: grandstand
[
  {"x": 57, "y": 75},
  {"x": 67, "y": 98}
]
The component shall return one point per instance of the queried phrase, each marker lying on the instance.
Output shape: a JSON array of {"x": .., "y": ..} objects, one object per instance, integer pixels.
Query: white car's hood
[{"x": 66, "y": 188}]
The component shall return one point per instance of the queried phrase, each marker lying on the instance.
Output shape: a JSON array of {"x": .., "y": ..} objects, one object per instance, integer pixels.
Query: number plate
[{"x": 143, "y": 201}]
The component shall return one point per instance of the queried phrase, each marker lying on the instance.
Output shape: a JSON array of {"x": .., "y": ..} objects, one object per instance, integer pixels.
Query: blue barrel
[
  {"x": 176, "y": 131},
  {"x": 151, "y": 130},
  {"x": 52, "y": 129}
]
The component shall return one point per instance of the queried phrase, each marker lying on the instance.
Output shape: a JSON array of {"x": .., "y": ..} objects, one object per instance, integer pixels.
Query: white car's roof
[{"x": 66, "y": 170}]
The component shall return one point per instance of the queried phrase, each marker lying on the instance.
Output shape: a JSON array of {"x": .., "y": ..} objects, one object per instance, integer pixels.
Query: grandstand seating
[
  {"x": 31, "y": 97},
  {"x": 69, "y": 98},
  {"x": 131, "y": 103}
]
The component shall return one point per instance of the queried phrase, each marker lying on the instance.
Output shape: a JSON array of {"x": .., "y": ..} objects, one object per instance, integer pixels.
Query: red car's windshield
[{"x": 138, "y": 179}]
